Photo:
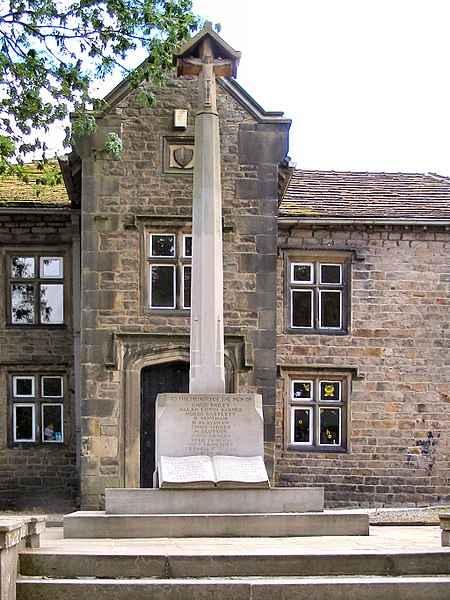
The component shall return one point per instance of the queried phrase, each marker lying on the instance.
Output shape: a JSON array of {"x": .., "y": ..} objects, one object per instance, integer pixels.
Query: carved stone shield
[{"x": 183, "y": 155}]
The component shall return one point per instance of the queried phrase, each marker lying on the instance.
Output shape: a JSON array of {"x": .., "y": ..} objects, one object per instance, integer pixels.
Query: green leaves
[
  {"x": 84, "y": 123},
  {"x": 6, "y": 146},
  {"x": 114, "y": 144},
  {"x": 50, "y": 50}
]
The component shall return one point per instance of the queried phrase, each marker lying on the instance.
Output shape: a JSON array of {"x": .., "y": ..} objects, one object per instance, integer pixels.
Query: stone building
[
  {"x": 39, "y": 327},
  {"x": 363, "y": 337},
  {"x": 336, "y": 292}
]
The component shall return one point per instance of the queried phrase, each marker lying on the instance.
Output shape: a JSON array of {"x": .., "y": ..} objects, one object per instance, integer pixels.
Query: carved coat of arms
[{"x": 183, "y": 155}]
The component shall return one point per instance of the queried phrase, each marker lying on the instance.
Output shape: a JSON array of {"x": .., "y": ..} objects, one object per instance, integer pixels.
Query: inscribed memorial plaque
[{"x": 209, "y": 424}]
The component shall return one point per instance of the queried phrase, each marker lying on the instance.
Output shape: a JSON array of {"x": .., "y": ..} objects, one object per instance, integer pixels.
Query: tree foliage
[{"x": 50, "y": 50}]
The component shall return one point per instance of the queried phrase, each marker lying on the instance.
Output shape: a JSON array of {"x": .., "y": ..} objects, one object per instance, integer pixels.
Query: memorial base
[
  {"x": 146, "y": 501},
  {"x": 99, "y": 525},
  {"x": 151, "y": 513}
]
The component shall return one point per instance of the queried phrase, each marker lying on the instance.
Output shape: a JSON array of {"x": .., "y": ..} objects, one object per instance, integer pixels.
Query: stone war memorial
[
  {"x": 232, "y": 348},
  {"x": 209, "y": 444},
  {"x": 206, "y": 421},
  {"x": 199, "y": 327}
]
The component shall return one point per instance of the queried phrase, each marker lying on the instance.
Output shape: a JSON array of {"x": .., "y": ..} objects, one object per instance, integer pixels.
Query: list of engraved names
[{"x": 211, "y": 420}]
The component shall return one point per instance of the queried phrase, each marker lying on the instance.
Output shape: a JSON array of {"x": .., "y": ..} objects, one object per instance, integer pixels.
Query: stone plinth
[
  {"x": 212, "y": 501},
  {"x": 92, "y": 524}
]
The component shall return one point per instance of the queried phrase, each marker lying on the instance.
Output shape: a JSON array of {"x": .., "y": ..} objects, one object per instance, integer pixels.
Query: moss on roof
[
  {"x": 31, "y": 191},
  {"x": 353, "y": 195}
]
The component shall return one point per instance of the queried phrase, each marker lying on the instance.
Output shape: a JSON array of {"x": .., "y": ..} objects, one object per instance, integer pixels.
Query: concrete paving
[{"x": 381, "y": 539}]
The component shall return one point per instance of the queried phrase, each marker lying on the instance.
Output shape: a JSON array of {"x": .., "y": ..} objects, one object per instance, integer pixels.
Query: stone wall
[
  {"x": 36, "y": 474},
  {"x": 122, "y": 201},
  {"x": 398, "y": 353}
]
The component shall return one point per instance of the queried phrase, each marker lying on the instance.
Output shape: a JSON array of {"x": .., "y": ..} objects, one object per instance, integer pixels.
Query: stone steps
[
  {"x": 51, "y": 564},
  {"x": 248, "y": 588},
  {"x": 366, "y": 575}
]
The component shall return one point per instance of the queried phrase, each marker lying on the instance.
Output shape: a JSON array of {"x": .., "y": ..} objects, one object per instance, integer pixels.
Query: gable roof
[{"x": 403, "y": 197}]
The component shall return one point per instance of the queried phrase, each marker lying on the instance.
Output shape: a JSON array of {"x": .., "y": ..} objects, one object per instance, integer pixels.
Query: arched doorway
[{"x": 156, "y": 379}]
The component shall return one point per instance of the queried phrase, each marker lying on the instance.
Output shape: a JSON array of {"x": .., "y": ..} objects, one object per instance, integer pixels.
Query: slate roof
[
  {"x": 14, "y": 191},
  {"x": 351, "y": 195}
]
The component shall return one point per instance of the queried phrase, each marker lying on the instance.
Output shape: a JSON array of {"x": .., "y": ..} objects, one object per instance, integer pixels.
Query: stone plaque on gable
[
  {"x": 209, "y": 424},
  {"x": 178, "y": 155}
]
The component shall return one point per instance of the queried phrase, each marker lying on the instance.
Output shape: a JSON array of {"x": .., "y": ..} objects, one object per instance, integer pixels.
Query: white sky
[{"x": 366, "y": 83}]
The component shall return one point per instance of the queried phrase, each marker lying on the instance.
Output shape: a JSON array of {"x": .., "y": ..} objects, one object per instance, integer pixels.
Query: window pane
[
  {"x": 52, "y": 387},
  {"x": 330, "y": 390},
  {"x": 303, "y": 273},
  {"x": 52, "y": 304},
  {"x": 52, "y": 423},
  {"x": 302, "y": 390},
  {"x": 302, "y": 308},
  {"x": 23, "y": 387},
  {"x": 330, "y": 274},
  {"x": 162, "y": 286},
  {"x": 23, "y": 423},
  {"x": 187, "y": 287},
  {"x": 22, "y": 303},
  {"x": 301, "y": 426},
  {"x": 330, "y": 309},
  {"x": 22, "y": 267},
  {"x": 330, "y": 426},
  {"x": 162, "y": 245},
  {"x": 187, "y": 249},
  {"x": 51, "y": 267}
]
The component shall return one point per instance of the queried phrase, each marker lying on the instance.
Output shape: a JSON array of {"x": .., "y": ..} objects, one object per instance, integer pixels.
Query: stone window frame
[
  {"x": 37, "y": 253},
  {"x": 314, "y": 405},
  {"x": 316, "y": 288},
  {"x": 37, "y": 400},
  {"x": 180, "y": 262}
]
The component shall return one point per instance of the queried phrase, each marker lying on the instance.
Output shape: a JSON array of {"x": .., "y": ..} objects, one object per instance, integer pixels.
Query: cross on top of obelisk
[{"x": 206, "y": 47}]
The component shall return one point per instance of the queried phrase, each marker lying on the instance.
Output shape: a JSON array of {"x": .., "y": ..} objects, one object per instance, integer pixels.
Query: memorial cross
[{"x": 201, "y": 57}]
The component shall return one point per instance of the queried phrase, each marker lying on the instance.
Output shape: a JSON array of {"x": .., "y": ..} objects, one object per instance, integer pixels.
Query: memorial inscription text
[{"x": 210, "y": 422}]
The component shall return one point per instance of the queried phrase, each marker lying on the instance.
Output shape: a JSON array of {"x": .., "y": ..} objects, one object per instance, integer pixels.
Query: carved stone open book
[{"x": 212, "y": 471}]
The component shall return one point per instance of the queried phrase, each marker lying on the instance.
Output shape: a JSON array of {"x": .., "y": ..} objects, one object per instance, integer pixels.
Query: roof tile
[
  {"x": 14, "y": 191},
  {"x": 352, "y": 195}
]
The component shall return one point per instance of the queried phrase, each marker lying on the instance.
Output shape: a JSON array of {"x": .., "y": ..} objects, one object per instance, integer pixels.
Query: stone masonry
[
  {"x": 34, "y": 475},
  {"x": 125, "y": 199},
  {"x": 398, "y": 348},
  {"x": 394, "y": 355}
]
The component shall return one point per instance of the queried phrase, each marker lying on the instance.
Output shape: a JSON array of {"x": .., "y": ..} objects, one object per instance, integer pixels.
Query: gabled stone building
[
  {"x": 136, "y": 266},
  {"x": 336, "y": 291}
]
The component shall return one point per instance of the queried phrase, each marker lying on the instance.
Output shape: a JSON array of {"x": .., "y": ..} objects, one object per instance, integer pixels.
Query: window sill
[
  {"x": 179, "y": 312},
  {"x": 306, "y": 331},
  {"x": 37, "y": 326},
  {"x": 35, "y": 445},
  {"x": 317, "y": 449}
]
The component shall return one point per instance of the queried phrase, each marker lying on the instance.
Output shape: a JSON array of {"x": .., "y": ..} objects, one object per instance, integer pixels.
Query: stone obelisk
[
  {"x": 207, "y": 421},
  {"x": 207, "y": 343},
  {"x": 207, "y": 374}
]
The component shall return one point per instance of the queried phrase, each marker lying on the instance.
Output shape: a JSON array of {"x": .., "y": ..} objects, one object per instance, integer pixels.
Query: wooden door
[{"x": 157, "y": 379}]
